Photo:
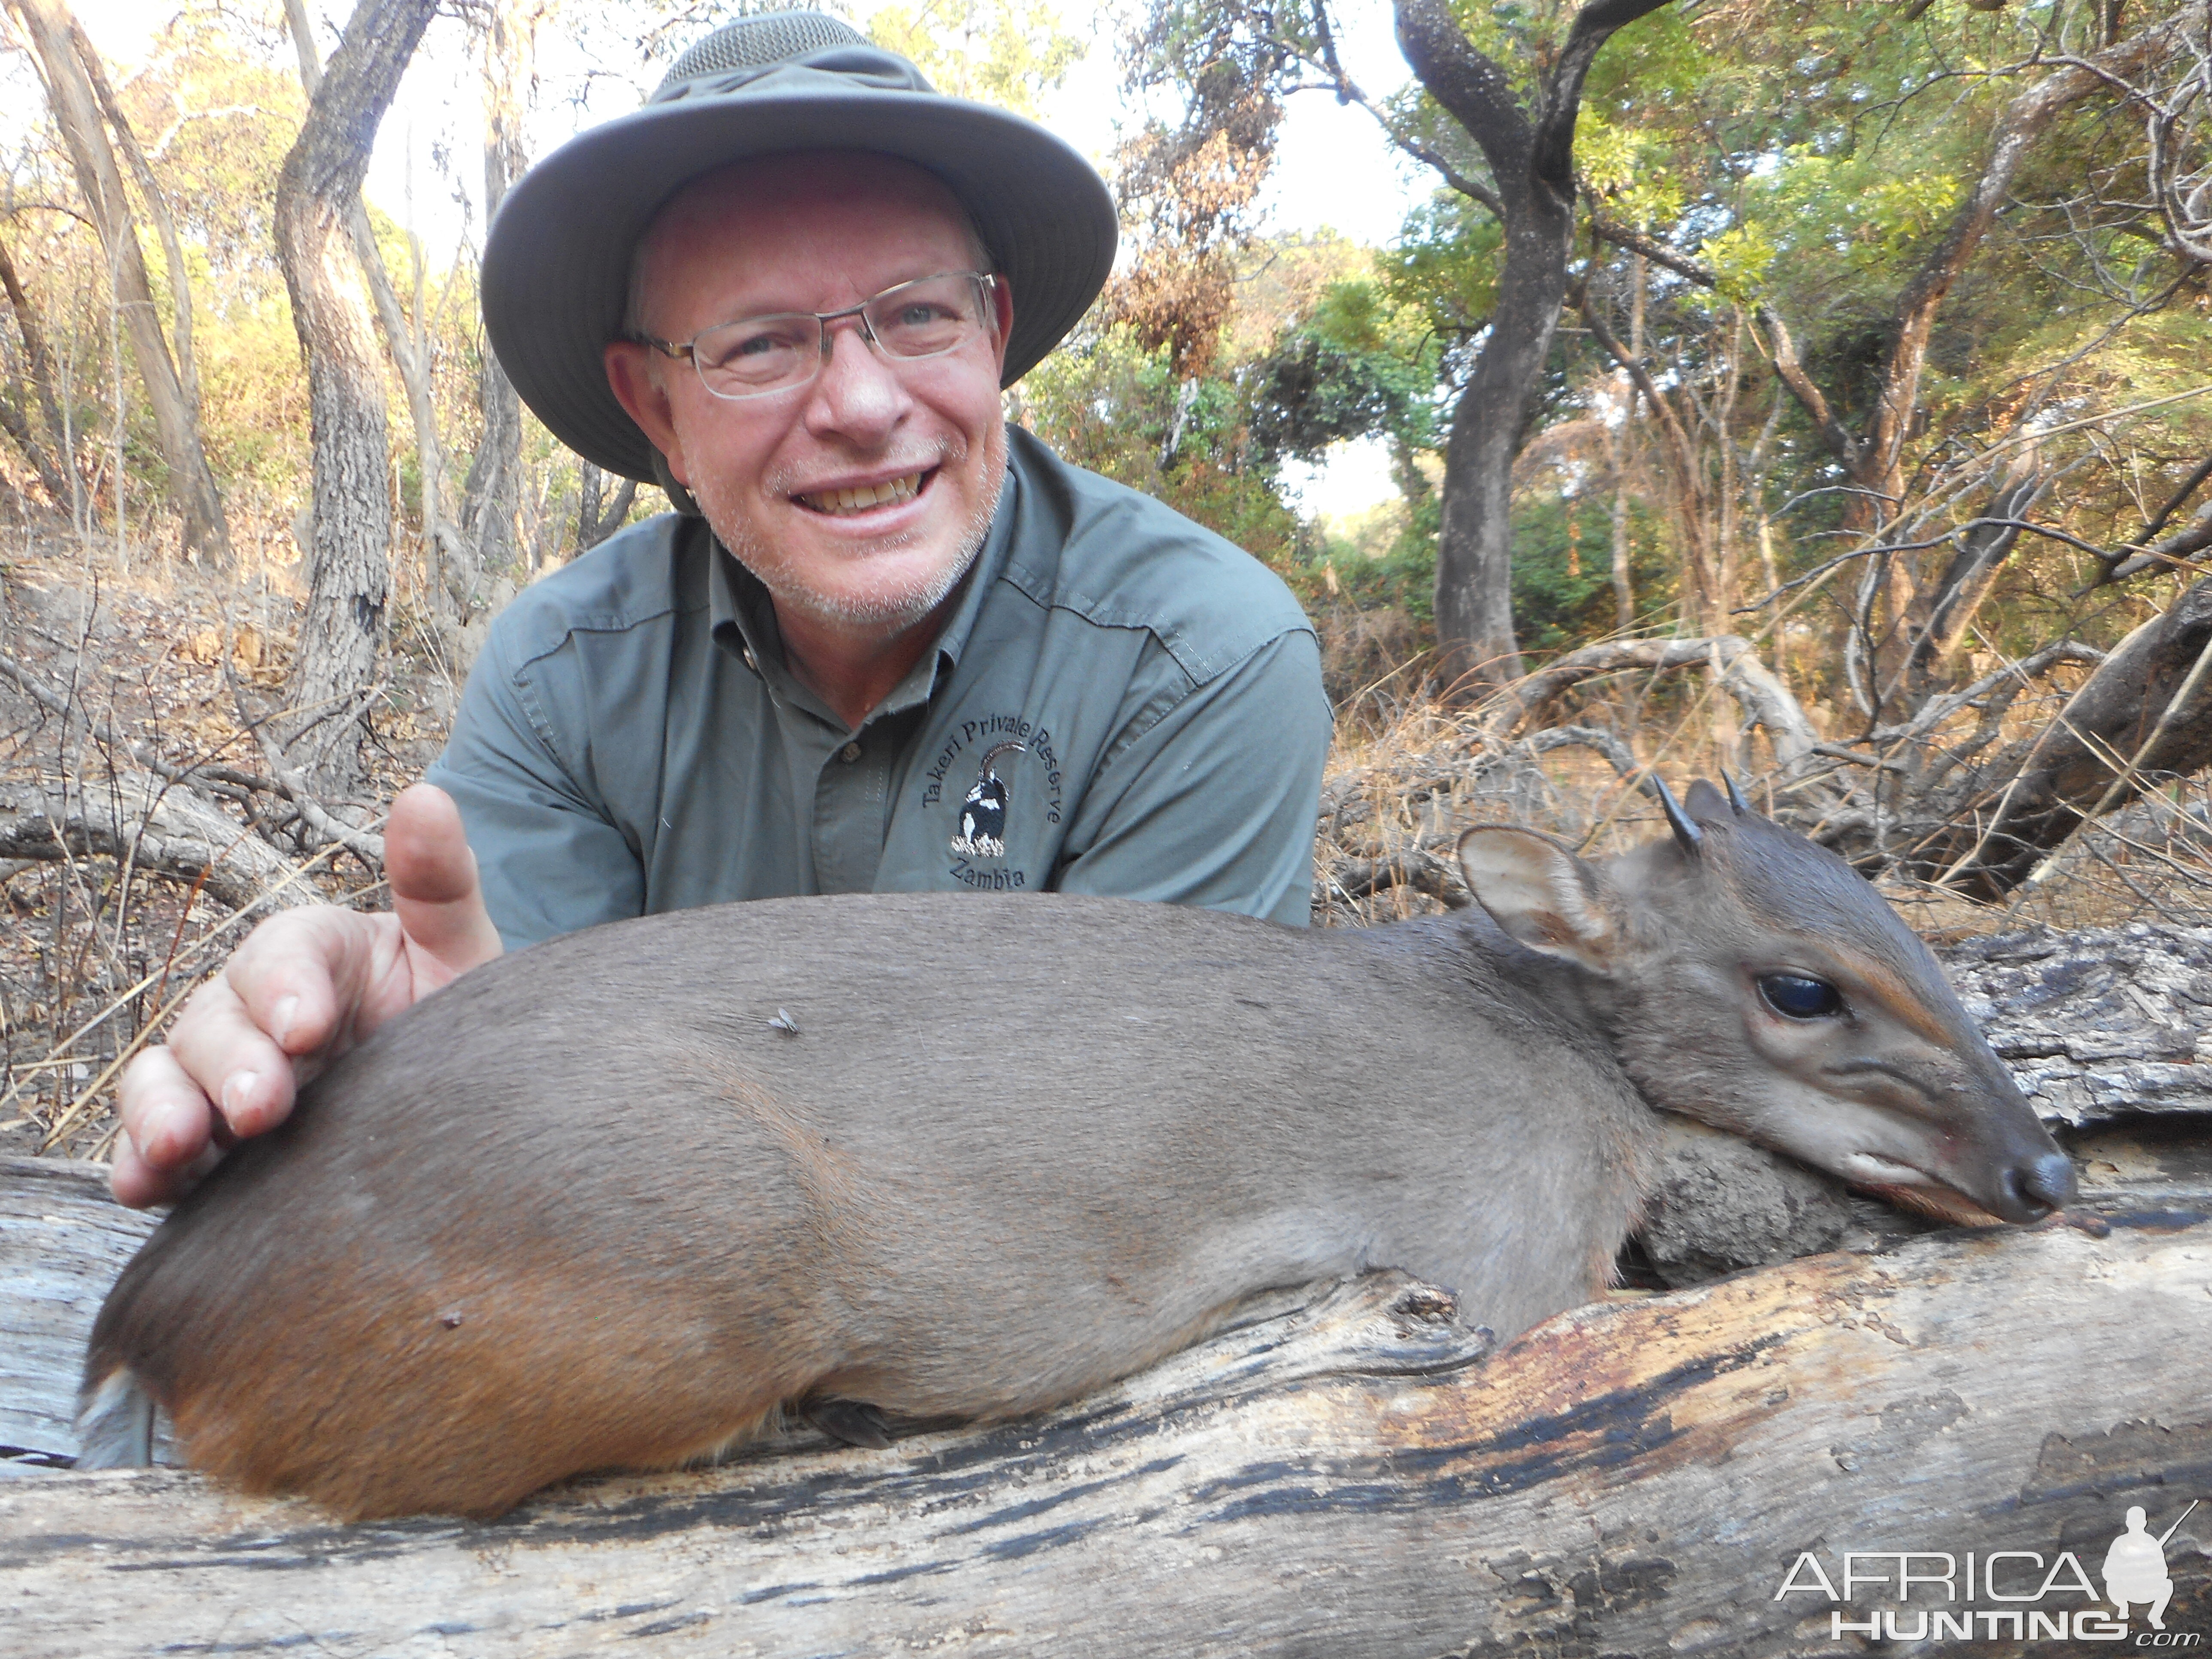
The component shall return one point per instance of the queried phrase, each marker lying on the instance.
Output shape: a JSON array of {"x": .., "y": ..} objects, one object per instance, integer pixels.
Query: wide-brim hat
[{"x": 557, "y": 264}]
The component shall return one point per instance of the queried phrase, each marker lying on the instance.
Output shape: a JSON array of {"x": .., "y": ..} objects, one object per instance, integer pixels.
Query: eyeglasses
[{"x": 756, "y": 355}]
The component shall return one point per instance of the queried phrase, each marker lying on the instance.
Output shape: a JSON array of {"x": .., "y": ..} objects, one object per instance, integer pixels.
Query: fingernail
[
  {"x": 280, "y": 1018},
  {"x": 235, "y": 1088},
  {"x": 160, "y": 1128}
]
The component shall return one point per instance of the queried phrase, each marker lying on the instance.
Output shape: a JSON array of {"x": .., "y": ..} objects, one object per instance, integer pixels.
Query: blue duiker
[{"x": 612, "y": 1201}]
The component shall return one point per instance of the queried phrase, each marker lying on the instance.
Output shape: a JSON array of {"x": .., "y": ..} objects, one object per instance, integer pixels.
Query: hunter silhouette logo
[
  {"x": 2135, "y": 1568},
  {"x": 2015, "y": 1596},
  {"x": 983, "y": 809}
]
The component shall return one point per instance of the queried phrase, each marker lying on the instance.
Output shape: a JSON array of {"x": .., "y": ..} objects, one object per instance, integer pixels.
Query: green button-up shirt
[{"x": 1121, "y": 702}]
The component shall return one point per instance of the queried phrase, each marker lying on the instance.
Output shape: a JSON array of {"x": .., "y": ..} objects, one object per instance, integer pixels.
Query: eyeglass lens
[{"x": 921, "y": 319}]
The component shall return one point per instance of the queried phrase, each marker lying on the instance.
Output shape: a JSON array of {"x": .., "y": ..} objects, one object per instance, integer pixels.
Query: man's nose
[{"x": 858, "y": 395}]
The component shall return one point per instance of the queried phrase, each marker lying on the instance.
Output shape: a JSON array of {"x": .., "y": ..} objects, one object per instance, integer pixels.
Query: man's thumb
[{"x": 434, "y": 892}]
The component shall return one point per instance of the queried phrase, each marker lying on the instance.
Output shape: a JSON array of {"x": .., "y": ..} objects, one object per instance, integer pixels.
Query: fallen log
[
  {"x": 1335, "y": 1476},
  {"x": 162, "y": 827}
]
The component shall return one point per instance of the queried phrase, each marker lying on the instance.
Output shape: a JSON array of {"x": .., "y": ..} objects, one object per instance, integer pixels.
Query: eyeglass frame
[{"x": 987, "y": 285}]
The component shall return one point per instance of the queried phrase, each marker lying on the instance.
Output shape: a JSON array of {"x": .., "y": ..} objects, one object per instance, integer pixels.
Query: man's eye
[
  {"x": 746, "y": 344},
  {"x": 1796, "y": 997}
]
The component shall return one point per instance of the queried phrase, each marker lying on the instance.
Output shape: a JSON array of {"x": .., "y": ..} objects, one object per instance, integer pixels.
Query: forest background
[{"x": 1817, "y": 389}]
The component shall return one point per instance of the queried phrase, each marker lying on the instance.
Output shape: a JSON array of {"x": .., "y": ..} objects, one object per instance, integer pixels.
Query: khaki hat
[{"x": 557, "y": 264}]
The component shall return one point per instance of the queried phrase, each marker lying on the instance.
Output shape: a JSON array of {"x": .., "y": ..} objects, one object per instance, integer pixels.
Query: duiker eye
[{"x": 1798, "y": 997}]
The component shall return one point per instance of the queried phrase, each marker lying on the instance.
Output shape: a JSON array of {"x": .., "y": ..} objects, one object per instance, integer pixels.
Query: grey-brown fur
[{"x": 590, "y": 1208}]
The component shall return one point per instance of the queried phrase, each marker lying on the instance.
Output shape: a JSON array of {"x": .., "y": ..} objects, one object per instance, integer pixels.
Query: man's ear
[
  {"x": 1544, "y": 896},
  {"x": 638, "y": 389}
]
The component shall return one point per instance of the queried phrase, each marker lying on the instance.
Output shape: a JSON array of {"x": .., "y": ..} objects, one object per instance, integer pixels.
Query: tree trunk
[
  {"x": 594, "y": 523},
  {"x": 349, "y": 560},
  {"x": 52, "y": 31},
  {"x": 1532, "y": 166},
  {"x": 491, "y": 498},
  {"x": 56, "y": 467},
  {"x": 157, "y": 209},
  {"x": 406, "y": 343}
]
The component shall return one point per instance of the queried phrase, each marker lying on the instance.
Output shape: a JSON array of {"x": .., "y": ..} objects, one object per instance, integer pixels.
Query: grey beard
[{"x": 893, "y": 610}]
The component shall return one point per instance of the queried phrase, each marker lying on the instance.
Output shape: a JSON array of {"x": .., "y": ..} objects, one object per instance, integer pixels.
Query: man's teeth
[{"x": 866, "y": 496}]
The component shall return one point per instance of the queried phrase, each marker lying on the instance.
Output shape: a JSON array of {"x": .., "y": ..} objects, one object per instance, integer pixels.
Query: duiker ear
[{"x": 1543, "y": 895}]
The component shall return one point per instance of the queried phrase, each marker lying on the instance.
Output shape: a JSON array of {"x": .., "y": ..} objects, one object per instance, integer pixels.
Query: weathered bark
[
  {"x": 349, "y": 560},
  {"x": 1343, "y": 1476},
  {"x": 2102, "y": 1026},
  {"x": 53, "y": 36},
  {"x": 160, "y": 828},
  {"x": 1531, "y": 158},
  {"x": 406, "y": 342}
]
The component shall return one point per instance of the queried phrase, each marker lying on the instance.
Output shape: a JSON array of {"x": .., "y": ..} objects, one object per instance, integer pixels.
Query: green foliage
[
  {"x": 1357, "y": 365},
  {"x": 1384, "y": 559},
  {"x": 1563, "y": 568},
  {"x": 1446, "y": 267},
  {"x": 1104, "y": 402},
  {"x": 1012, "y": 55}
]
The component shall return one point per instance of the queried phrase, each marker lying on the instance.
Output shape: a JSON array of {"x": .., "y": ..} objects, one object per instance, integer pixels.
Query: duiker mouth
[{"x": 2031, "y": 1191}]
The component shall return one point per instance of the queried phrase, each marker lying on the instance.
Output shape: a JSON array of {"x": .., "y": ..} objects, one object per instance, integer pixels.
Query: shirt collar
[{"x": 742, "y": 616}]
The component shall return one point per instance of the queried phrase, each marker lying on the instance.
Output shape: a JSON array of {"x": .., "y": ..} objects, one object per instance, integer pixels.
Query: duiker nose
[{"x": 2043, "y": 1183}]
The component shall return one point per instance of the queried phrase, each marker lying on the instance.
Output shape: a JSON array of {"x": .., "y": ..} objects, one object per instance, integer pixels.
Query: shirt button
[{"x": 849, "y": 753}]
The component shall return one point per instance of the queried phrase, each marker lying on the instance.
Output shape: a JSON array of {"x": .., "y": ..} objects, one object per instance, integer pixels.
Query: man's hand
[{"x": 305, "y": 987}]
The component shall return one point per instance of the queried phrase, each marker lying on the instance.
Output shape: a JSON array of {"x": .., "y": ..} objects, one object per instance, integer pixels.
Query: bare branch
[
  {"x": 1782, "y": 351},
  {"x": 1348, "y": 92},
  {"x": 1766, "y": 702},
  {"x": 1608, "y": 228},
  {"x": 363, "y": 844}
]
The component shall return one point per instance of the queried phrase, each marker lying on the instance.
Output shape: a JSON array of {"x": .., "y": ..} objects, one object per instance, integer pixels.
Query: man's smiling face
[{"x": 860, "y": 500}]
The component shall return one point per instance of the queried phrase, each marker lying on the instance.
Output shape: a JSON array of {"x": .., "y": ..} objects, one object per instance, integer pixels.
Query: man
[{"x": 913, "y": 651}]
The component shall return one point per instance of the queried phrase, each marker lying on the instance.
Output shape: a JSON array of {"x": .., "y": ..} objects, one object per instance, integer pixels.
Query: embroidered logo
[{"x": 983, "y": 809}]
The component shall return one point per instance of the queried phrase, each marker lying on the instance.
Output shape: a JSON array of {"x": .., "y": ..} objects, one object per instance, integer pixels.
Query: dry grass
[
  {"x": 96, "y": 953},
  {"x": 1409, "y": 773}
]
